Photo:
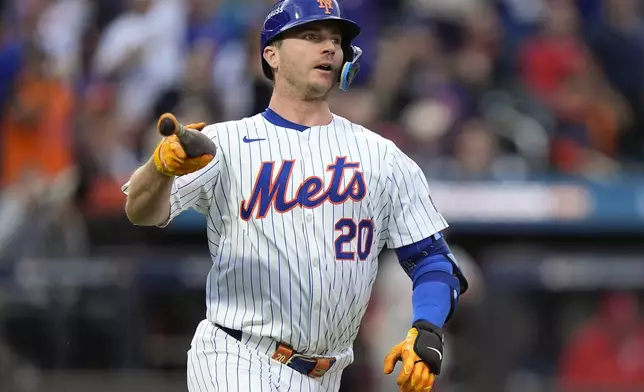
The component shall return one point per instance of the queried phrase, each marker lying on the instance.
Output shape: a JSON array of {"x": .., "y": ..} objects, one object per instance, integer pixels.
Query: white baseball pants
[{"x": 218, "y": 362}]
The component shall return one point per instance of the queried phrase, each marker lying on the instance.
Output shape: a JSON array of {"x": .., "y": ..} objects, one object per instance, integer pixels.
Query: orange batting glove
[
  {"x": 417, "y": 373},
  {"x": 171, "y": 160}
]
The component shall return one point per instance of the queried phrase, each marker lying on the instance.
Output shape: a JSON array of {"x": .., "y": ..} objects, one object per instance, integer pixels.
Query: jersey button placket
[
  {"x": 309, "y": 230},
  {"x": 307, "y": 171}
]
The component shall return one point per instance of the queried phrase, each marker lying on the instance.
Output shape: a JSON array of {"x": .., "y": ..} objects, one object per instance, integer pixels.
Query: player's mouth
[{"x": 325, "y": 67}]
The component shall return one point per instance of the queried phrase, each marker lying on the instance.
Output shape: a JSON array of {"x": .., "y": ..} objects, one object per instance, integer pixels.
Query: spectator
[
  {"x": 556, "y": 66},
  {"x": 605, "y": 354},
  {"x": 618, "y": 46},
  {"x": 37, "y": 122},
  {"x": 141, "y": 51}
]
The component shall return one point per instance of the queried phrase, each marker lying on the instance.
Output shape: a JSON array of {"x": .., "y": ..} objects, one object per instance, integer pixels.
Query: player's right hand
[{"x": 170, "y": 158}]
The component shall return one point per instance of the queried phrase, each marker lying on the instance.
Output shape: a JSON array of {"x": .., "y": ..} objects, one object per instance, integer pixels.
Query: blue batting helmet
[{"x": 287, "y": 14}]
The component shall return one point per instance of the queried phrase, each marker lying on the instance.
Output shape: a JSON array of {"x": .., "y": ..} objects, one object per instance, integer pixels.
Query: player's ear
[{"x": 271, "y": 55}]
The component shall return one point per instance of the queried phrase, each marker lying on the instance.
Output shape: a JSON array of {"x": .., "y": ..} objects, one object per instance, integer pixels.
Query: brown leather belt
[{"x": 314, "y": 367}]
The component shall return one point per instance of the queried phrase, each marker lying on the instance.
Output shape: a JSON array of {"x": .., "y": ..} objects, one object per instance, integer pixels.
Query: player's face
[{"x": 310, "y": 59}]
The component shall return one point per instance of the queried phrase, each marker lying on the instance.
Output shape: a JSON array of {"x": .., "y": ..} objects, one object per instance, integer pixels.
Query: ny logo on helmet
[{"x": 327, "y": 5}]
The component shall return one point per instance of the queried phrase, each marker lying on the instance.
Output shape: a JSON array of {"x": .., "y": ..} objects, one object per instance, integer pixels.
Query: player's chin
[
  {"x": 326, "y": 77},
  {"x": 323, "y": 82}
]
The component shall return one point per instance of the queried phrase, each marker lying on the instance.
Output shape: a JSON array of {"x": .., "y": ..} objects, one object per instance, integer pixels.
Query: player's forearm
[
  {"x": 434, "y": 277},
  {"x": 431, "y": 300},
  {"x": 148, "y": 200}
]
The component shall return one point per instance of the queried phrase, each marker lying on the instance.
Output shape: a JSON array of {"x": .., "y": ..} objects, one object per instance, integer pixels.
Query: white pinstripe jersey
[{"x": 296, "y": 220}]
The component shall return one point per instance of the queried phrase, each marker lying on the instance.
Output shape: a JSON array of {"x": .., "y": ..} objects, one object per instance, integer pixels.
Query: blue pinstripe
[
  {"x": 333, "y": 219},
  {"x": 344, "y": 285},
  {"x": 288, "y": 138},
  {"x": 290, "y": 281},
  {"x": 279, "y": 258},
  {"x": 203, "y": 379},
  {"x": 265, "y": 254}
]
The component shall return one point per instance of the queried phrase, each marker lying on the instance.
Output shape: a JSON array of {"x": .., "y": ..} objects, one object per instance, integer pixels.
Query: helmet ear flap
[{"x": 350, "y": 68}]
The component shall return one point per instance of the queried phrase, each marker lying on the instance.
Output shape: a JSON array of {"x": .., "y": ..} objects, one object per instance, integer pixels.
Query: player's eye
[{"x": 310, "y": 36}]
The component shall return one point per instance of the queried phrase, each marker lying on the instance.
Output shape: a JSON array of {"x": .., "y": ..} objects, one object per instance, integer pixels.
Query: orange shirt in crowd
[{"x": 37, "y": 129}]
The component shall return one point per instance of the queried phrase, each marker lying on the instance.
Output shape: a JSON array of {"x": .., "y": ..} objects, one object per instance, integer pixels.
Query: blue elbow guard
[{"x": 413, "y": 259}]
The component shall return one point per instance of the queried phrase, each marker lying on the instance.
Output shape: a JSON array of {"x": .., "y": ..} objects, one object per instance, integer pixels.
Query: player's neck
[{"x": 307, "y": 113}]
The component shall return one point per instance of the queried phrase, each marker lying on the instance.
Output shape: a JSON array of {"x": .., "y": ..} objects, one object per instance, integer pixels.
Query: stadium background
[{"x": 526, "y": 116}]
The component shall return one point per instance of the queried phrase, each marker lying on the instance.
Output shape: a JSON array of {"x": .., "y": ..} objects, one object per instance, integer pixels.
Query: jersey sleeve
[
  {"x": 412, "y": 213},
  {"x": 195, "y": 190}
]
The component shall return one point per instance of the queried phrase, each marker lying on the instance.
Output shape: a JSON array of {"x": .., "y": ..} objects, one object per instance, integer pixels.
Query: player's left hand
[{"x": 421, "y": 354}]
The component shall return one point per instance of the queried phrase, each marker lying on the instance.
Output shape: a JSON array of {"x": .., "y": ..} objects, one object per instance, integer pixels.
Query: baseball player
[{"x": 299, "y": 202}]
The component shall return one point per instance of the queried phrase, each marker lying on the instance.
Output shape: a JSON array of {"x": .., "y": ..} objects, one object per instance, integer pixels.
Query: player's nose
[{"x": 328, "y": 47}]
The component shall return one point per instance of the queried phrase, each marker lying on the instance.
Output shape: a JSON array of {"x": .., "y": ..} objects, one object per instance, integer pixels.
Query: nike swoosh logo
[
  {"x": 440, "y": 356},
  {"x": 247, "y": 140}
]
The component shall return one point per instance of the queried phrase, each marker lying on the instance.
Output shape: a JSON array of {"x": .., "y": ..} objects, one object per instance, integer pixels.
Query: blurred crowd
[{"x": 503, "y": 89}]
